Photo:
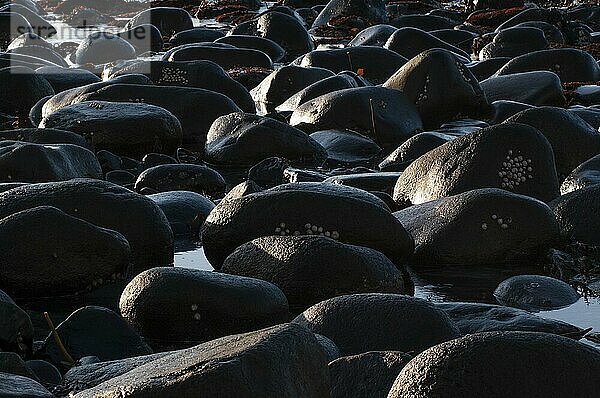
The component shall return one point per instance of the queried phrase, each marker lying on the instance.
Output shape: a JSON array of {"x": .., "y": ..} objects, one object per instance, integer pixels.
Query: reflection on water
[{"x": 189, "y": 254}]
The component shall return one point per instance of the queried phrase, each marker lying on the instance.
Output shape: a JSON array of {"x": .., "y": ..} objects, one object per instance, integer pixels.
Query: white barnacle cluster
[
  {"x": 173, "y": 75},
  {"x": 423, "y": 94},
  {"x": 137, "y": 100},
  {"x": 503, "y": 223},
  {"x": 196, "y": 315},
  {"x": 463, "y": 72},
  {"x": 515, "y": 170},
  {"x": 309, "y": 229},
  {"x": 95, "y": 105}
]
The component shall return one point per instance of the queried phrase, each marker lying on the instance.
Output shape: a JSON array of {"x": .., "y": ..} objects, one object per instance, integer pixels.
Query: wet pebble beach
[{"x": 311, "y": 199}]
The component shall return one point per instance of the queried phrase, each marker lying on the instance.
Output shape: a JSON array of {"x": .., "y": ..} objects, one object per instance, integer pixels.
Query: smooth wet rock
[
  {"x": 74, "y": 254},
  {"x": 244, "y": 139},
  {"x": 198, "y": 74},
  {"x": 144, "y": 38},
  {"x": 103, "y": 47},
  {"x": 40, "y": 52},
  {"x": 182, "y": 177},
  {"x": 280, "y": 85},
  {"x": 538, "y": 88},
  {"x": 169, "y": 20},
  {"x": 479, "y": 317},
  {"x": 43, "y": 136},
  {"x": 510, "y": 156},
  {"x": 535, "y": 293},
  {"x": 21, "y": 90},
  {"x": 330, "y": 84},
  {"x": 387, "y": 116},
  {"x": 283, "y": 361},
  {"x": 13, "y": 386},
  {"x": 585, "y": 175},
  {"x": 310, "y": 269},
  {"x": 62, "y": 79},
  {"x": 29, "y": 39},
  {"x": 375, "y": 64},
  {"x": 480, "y": 227},
  {"x": 16, "y": 330},
  {"x": 514, "y": 42},
  {"x": 412, "y": 149},
  {"x": 185, "y": 210},
  {"x": 368, "y": 12},
  {"x": 441, "y": 88},
  {"x": 351, "y": 215},
  {"x": 370, "y": 374},
  {"x": 171, "y": 305},
  {"x": 39, "y": 25},
  {"x": 195, "y": 35},
  {"x": 285, "y": 30},
  {"x": 376, "y": 35},
  {"x": 95, "y": 331},
  {"x": 106, "y": 205},
  {"x": 571, "y": 65},
  {"x": 12, "y": 25},
  {"x": 28, "y": 162},
  {"x": 577, "y": 214},
  {"x": 410, "y": 42},
  {"x": 12, "y": 363},
  {"x": 267, "y": 46},
  {"x": 573, "y": 140},
  {"x": 462, "y": 368},
  {"x": 346, "y": 148},
  {"x": 195, "y": 108},
  {"x": 227, "y": 57},
  {"x": 129, "y": 129},
  {"x": 487, "y": 68},
  {"x": 45, "y": 372},
  {"x": 379, "y": 322}
]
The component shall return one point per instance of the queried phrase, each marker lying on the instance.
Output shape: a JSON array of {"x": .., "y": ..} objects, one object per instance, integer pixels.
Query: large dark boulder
[
  {"x": 410, "y": 42},
  {"x": 514, "y": 42},
  {"x": 39, "y": 25},
  {"x": 412, "y": 149},
  {"x": 43, "y": 136},
  {"x": 441, "y": 87},
  {"x": 480, "y": 227},
  {"x": 499, "y": 364},
  {"x": 585, "y": 175},
  {"x": 14, "y": 386},
  {"x": 106, "y": 205},
  {"x": 243, "y": 139},
  {"x": 310, "y": 269},
  {"x": 185, "y": 210},
  {"x": 281, "y": 84},
  {"x": 573, "y": 140},
  {"x": 351, "y": 215},
  {"x": 198, "y": 74},
  {"x": 368, "y": 12},
  {"x": 282, "y": 361},
  {"x": 510, "y": 156},
  {"x": 73, "y": 256},
  {"x": 379, "y": 322},
  {"x": 347, "y": 148},
  {"x": 285, "y": 30},
  {"x": 387, "y": 116},
  {"x": 375, "y": 35},
  {"x": 169, "y": 20},
  {"x": 128, "y": 129},
  {"x": 578, "y": 214},
  {"x": 62, "y": 79},
  {"x": 94, "y": 331},
  {"x": 535, "y": 293},
  {"x": 479, "y": 317},
  {"x": 103, "y": 47},
  {"x": 535, "y": 88},
  {"x": 28, "y": 162},
  {"x": 376, "y": 64},
  {"x": 177, "y": 305},
  {"x": 267, "y": 46},
  {"x": 16, "y": 329},
  {"x": 21, "y": 90},
  {"x": 226, "y": 56},
  {"x": 367, "y": 375},
  {"x": 181, "y": 177},
  {"x": 195, "y": 108},
  {"x": 571, "y": 65}
]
